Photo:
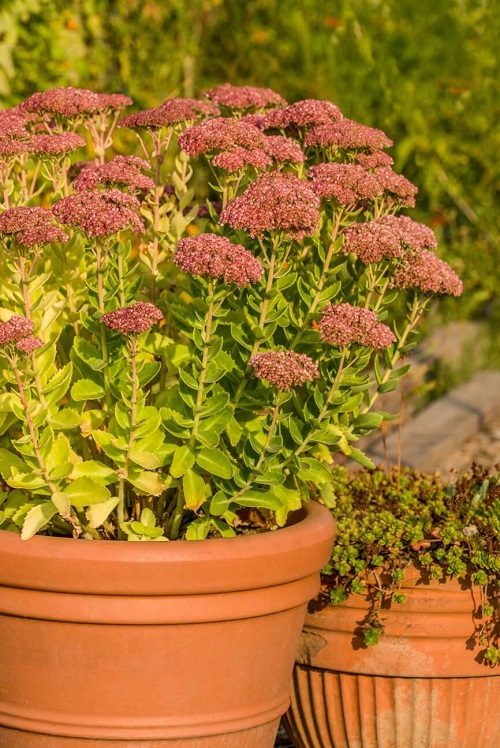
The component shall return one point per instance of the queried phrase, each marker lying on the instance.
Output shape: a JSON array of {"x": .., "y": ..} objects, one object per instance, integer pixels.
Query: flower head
[
  {"x": 244, "y": 97},
  {"x": 15, "y": 329},
  {"x": 396, "y": 186},
  {"x": 137, "y": 318},
  {"x": 217, "y": 257},
  {"x": 13, "y": 147},
  {"x": 386, "y": 238},
  {"x": 220, "y": 134},
  {"x": 253, "y": 119},
  {"x": 237, "y": 158},
  {"x": 343, "y": 324},
  {"x": 348, "y": 135},
  {"x": 275, "y": 202},
  {"x": 303, "y": 114},
  {"x": 427, "y": 272},
  {"x": 29, "y": 344},
  {"x": 99, "y": 213},
  {"x": 121, "y": 170},
  {"x": 171, "y": 112},
  {"x": 282, "y": 149},
  {"x": 68, "y": 102},
  {"x": 13, "y": 124},
  {"x": 284, "y": 369},
  {"x": 374, "y": 159},
  {"x": 30, "y": 226},
  {"x": 54, "y": 145},
  {"x": 346, "y": 183},
  {"x": 116, "y": 102}
]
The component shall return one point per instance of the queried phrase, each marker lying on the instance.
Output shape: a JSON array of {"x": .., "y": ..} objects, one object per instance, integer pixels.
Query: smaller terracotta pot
[{"x": 422, "y": 685}]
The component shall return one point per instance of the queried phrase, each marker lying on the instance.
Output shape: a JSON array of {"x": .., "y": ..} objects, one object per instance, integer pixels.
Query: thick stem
[
  {"x": 177, "y": 515},
  {"x": 101, "y": 255},
  {"x": 120, "y": 510},
  {"x": 204, "y": 363}
]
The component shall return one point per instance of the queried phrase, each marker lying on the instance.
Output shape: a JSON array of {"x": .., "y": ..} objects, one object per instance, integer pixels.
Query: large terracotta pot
[
  {"x": 421, "y": 686},
  {"x": 177, "y": 644}
]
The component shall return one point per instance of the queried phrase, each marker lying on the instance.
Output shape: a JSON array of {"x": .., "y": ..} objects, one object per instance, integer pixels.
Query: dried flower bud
[
  {"x": 427, "y": 272},
  {"x": 386, "y": 238},
  {"x": 217, "y": 257},
  {"x": 137, "y": 318},
  {"x": 275, "y": 202},
  {"x": 171, "y": 112},
  {"x": 15, "y": 329},
  {"x": 99, "y": 213},
  {"x": 345, "y": 183},
  {"x": 54, "y": 145},
  {"x": 244, "y": 97},
  {"x": 30, "y": 226},
  {"x": 220, "y": 134},
  {"x": 284, "y": 369},
  {"x": 121, "y": 170},
  {"x": 28, "y": 345},
  {"x": 343, "y": 324},
  {"x": 303, "y": 114},
  {"x": 348, "y": 135}
]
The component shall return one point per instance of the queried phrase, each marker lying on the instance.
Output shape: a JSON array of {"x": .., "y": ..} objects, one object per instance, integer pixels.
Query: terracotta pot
[
  {"x": 153, "y": 644},
  {"x": 423, "y": 685}
]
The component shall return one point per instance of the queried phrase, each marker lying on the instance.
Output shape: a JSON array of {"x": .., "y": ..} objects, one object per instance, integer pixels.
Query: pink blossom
[
  {"x": 12, "y": 147},
  {"x": 348, "y": 135},
  {"x": 30, "y": 344},
  {"x": 282, "y": 149},
  {"x": 427, "y": 272},
  {"x": 253, "y": 119},
  {"x": 237, "y": 158},
  {"x": 115, "y": 102},
  {"x": 220, "y": 134},
  {"x": 386, "y": 238},
  {"x": 65, "y": 101},
  {"x": 171, "y": 112},
  {"x": 275, "y": 202},
  {"x": 137, "y": 318},
  {"x": 30, "y": 226},
  {"x": 373, "y": 160},
  {"x": 244, "y": 97},
  {"x": 14, "y": 329},
  {"x": 303, "y": 114},
  {"x": 284, "y": 369},
  {"x": 121, "y": 170},
  {"x": 217, "y": 257},
  {"x": 99, "y": 213},
  {"x": 54, "y": 145},
  {"x": 346, "y": 183},
  {"x": 396, "y": 186},
  {"x": 13, "y": 124},
  {"x": 343, "y": 324}
]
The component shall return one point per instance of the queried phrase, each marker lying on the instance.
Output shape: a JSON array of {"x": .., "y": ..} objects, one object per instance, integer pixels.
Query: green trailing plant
[
  {"x": 389, "y": 521},
  {"x": 174, "y": 366}
]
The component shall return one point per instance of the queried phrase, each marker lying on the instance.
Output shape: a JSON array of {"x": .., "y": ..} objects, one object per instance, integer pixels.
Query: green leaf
[
  {"x": 95, "y": 470},
  {"x": 259, "y": 500},
  {"x": 66, "y": 419},
  {"x": 234, "y": 431},
  {"x": 184, "y": 458},
  {"x": 86, "y": 492},
  {"x": 99, "y": 513},
  {"x": 88, "y": 353},
  {"x": 62, "y": 502},
  {"x": 37, "y": 518},
  {"x": 145, "y": 481},
  {"x": 58, "y": 455},
  {"x": 57, "y": 387},
  {"x": 313, "y": 470},
  {"x": 215, "y": 462},
  {"x": 199, "y": 529},
  {"x": 361, "y": 458},
  {"x": 86, "y": 389},
  {"x": 11, "y": 464},
  {"x": 194, "y": 489}
]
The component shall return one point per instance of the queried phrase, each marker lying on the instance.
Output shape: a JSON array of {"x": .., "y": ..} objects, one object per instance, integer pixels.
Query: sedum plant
[
  {"x": 200, "y": 304},
  {"x": 387, "y": 521}
]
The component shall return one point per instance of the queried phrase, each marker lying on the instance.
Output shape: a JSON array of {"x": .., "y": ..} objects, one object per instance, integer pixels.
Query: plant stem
[
  {"x": 177, "y": 516},
  {"x": 101, "y": 254},
  {"x": 204, "y": 363},
  {"x": 120, "y": 509}
]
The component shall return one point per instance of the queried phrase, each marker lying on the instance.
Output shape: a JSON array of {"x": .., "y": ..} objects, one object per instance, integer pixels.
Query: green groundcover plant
[
  {"x": 387, "y": 521},
  {"x": 188, "y": 334}
]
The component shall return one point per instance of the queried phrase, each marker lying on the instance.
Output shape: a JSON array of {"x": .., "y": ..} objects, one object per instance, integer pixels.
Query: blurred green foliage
[{"x": 425, "y": 72}]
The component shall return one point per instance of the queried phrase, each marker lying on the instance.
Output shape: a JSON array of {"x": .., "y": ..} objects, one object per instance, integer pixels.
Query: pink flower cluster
[
  {"x": 71, "y": 102},
  {"x": 303, "y": 114},
  {"x": 172, "y": 112},
  {"x": 99, "y": 214},
  {"x": 121, "y": 170},
  {"x": 427, "y": 272},
  {"x": 282, "y": 149},
  {"x": 346, "y": 183},
  {"x": 13, "y": 124},
  {"x": 29, "y": 345},
  {"x": 396, "y": 186},
  {"x": 55, "y": 145},
  {"x": 386, "y": 238},
  {"x": 220, "y": 134},
  {"x": 284, "y": 369},
  {"x": 275, "y": 202},
  {"x": 137, "y": 318},
  {"x": 15, "y": 329},
  {"x": 237, "y": 158},
  {"x": 344, "y": 324},
  {"x": 30, "y": 226},
  {"x": 348, "y": 135},
  {"x": 244, "y": 97},
  {"x": 373, "y": 160},
  {"x": 217, "y": 257}
]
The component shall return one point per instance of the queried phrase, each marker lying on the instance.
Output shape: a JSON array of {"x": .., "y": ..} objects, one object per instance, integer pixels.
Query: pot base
[{"x": 262, "y": 736}]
